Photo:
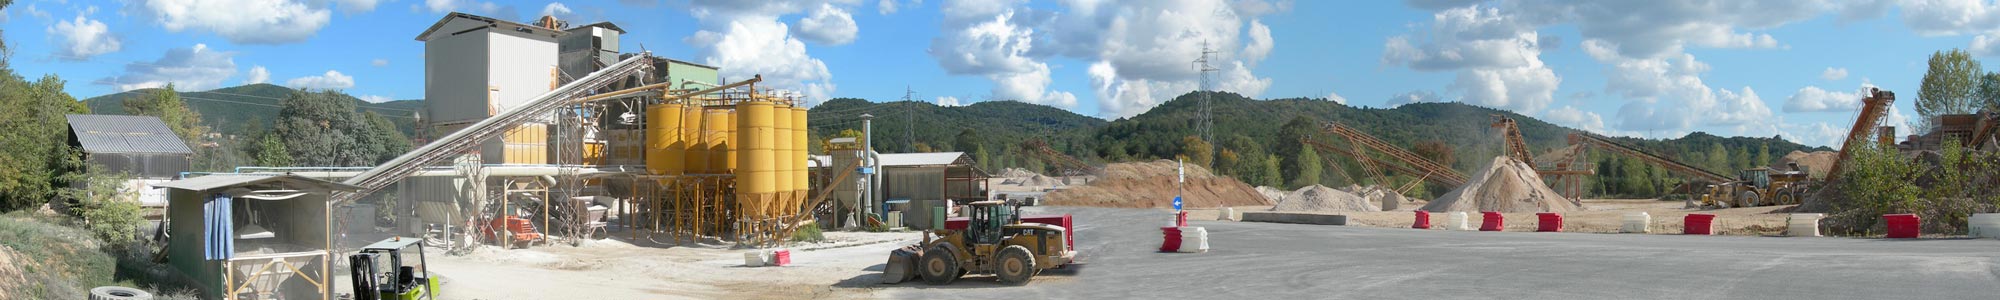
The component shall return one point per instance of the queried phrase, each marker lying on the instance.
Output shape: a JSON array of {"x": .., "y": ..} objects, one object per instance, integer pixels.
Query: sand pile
[
  {"x": 1271, "y": 193},
  {"x": 1380, "y": 196},
  {"x": 1015, "y": 173},
  {"x": 1039, "y": 180},
  {"x": 1819, "y": 162},
  {"x": 1151, "y": 184},
  {"x": 1507, "y": 185},
  {"x": 1319, "y": 198}
]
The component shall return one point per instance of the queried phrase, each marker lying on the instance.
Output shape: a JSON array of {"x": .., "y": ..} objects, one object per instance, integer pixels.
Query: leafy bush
[
  {"x": 809, "y": 233},
  {"x": 110, "y": 214},
  {"x": 1940, "y": 187}
]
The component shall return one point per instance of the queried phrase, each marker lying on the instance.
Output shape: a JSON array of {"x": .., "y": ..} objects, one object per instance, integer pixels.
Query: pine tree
[
  {"x": 1309, "y": 168},
  {"x": 1272, "y": 176}
]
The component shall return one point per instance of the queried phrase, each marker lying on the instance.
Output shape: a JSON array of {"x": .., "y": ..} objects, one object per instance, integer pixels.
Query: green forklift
[{"x": 381, "y": 273}]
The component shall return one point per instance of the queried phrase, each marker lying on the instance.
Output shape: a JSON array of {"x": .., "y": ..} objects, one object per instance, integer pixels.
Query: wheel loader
[
  {"x": 1759, "y": 187},
  {"x": 992, "y": 240}
]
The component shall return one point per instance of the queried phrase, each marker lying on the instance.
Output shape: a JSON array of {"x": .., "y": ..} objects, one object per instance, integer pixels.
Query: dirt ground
[
  {"x": 1599, "y": 216},
  {"x": 618, "y": 269}
]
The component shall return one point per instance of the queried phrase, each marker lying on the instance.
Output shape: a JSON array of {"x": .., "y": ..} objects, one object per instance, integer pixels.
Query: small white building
[{"x": 476, "y": 67}]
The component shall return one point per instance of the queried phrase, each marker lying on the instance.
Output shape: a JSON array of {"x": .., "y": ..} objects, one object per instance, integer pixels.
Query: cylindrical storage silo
[
  {"x": 715, "y": 133},
  {"x": 696, "y": 158},
  {"x": 756, "y": 172},
  {"x": 663, "y": 155},
  {"x": 783, "y": 153},
  {"x": 801, "y": 182},
  {"x": 731, "y": 146}
]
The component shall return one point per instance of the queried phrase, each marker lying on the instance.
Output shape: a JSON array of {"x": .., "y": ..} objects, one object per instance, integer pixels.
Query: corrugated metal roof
[
  {"x": 920, "y": 159},
  {"x": 211, "y": 182},
  {"x": 125, "y": 134}
]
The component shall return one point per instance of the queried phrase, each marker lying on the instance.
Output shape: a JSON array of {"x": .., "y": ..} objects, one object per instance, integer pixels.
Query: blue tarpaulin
[{"x": 220, "y": 231}]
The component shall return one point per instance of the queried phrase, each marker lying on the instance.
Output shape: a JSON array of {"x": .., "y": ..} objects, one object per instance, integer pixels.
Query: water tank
[
  {"x": 696, "y": 158},
  {"x": 663, "y": 152}
]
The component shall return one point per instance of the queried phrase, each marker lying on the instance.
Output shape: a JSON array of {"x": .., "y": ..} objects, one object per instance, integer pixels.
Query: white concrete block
[
  {"x": 1803, "y": 224},
  {"x": 1639, "y": 222}
]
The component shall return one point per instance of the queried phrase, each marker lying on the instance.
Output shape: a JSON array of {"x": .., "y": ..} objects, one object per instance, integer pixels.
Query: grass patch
[
  {"x": 62, "y": 261},
  {"x": 809, "y": 233}
]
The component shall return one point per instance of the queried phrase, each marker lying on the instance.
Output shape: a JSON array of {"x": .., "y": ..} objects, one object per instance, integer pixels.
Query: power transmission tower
[{"x": 1205, "y": 120}]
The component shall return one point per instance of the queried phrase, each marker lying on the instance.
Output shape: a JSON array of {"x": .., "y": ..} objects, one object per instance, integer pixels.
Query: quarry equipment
[
  {"x": 994, "y": 240},
  {"x": 1404, "y": 160},
  {"x": 1567, "y": 172},
  {"x": 1873, "y": 108},
  {"x": 1760, "y": 186},
  {"x": 381, "y": 273}
]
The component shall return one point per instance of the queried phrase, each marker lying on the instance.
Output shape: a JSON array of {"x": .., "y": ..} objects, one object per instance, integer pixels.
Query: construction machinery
[
  {"x": 992, "y": 240},
  {"x": 381, "y": 273},
  {"x": 1400, "y": 160},
  {"x": 1567, "y": 172},
  {"x": 1760, "y": 186},
  {"x": 1873, "y": 108}
]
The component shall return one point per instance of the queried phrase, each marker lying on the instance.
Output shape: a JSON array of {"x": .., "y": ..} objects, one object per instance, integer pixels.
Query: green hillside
[
  {"x": 243, "y": 109},
  {"x": 998, "y": 126}
]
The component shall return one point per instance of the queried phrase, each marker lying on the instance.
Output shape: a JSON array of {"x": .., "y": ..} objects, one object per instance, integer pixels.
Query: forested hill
[
  {"x": 241, "y": 109},
  {"x": 999, "y": 126}
]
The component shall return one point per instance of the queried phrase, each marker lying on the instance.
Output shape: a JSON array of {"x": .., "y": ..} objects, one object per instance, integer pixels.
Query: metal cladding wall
[
  {"x": 715, "y": 133},
  {"x": 801, "y": 182},
  {"x": 757, "y": 163},
  {"x": 664, "y": 150},
  {"x": 143, "y": 165},
  {"x": 696, "y": 159},
  {"x": 782, "y": 148}
]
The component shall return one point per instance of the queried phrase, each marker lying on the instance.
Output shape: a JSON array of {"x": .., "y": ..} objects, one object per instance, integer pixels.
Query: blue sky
[{"x": 1642, "y": 68}]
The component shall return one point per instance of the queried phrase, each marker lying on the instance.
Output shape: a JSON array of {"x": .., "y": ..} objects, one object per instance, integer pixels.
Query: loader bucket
[{"x": 901, "y": 265}]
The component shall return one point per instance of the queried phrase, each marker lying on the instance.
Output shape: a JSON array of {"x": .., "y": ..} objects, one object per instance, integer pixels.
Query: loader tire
[
  {"x": 1015, "y": 265},
  {"x": 939, "y": 266}
]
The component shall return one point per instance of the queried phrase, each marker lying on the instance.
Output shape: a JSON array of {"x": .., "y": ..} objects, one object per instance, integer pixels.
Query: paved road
[{"x": 1284, "y": 261}]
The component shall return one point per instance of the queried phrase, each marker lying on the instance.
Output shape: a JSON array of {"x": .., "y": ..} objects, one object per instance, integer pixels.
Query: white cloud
[
  {"x": 746, "y": 38},
  {"x": 332, "y": 80},
  {"x": 1260, "y": 43},
  {"x": 1949, "y": 17},
  {"x": 885, "y": 7},
  {"x": 996, "y": 48},
  {"x": 374, "y": 98},
  {"x": 37, "y": 12},
  {"x": 257, "y": 75},
  {"x": 1336, "y": 98},
  {"x": 357, "y": 6},
  {"x": 948, "y": 101},
  {"x": 1833, "y": 73},
  {"x": 1580, "y": 119},
  {"x": 489, "y": 9},
  {"x": 242, "y": 21},
  {"x": 1497, "y": 56},
  {"x": 828, "y": 25},
  {"x": 1413, "y": 97},
  {"x": 556, "y": 9},
  {"x": 1814, "y": 99},
  {"x": 83, "y": 38},
  {"x": 379, "y": 62},
  {"x": 194, "y": 68}
]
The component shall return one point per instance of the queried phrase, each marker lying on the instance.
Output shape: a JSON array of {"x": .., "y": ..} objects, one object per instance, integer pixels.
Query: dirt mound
[
  {"x": 1507, "y": 185},
  {"x": 1151, "y": 184},
  {"x": 1016, "y": 173},
  {"x": 1819, "y": 162},
  {"x": 1319, "y": 198},
  {"x": 1271, "y": 193}
]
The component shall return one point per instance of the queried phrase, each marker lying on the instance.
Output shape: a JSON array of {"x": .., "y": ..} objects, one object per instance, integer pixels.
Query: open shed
[
  {"x": 141, "y": 147},
  {"x": 258, "y": 236}
]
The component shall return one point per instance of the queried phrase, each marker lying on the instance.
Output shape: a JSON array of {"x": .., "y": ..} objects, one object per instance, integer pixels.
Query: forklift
[{"x": 380, "y": 273}]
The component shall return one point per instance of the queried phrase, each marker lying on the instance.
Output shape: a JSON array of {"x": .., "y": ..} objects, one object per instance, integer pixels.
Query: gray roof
[
  {"x": 216, "y": 181},
  {"x": 503, "y": 26},
  {"x": 922, "y": 159},
  {"x": 125, "y": 134}
]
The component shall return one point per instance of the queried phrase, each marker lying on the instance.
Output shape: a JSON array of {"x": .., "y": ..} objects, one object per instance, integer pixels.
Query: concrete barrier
[
  {"x": 1294, "y": 218},
  {"x": 1984, "y": 225},
  {"x": 1803, "y": 224},
  {"x": 1225, "y": 214}
]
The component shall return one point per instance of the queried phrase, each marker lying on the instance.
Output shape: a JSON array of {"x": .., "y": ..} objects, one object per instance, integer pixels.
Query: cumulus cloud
[
  {"x": 257, "y": 75},
  {"x": 828, "y": 25},
  {"x": 556, "y": 9},
  {"x": 886, "y": 7},
  {"x": 1668, "y": 94},
  {"x": 379, "y": 62},
  {"x": 193, "y": 68},
  {"x": 82, "y": 38},
  {"x": 1814, "y": 99},
  {"x": 332, "y": 80},
  {"x": 375, "y": 98},
  {"x": 1413, "y": 97},
  {"x": 1497, "y": 56},
  {"x": 1336, "y": 98},
  {"x": 242, "y": 21},
  {"x": 1832, "y": 74},
  {"x": 357, "y": 6},
  {"x": 1138, "y": 50},
  {"x": 948, "y": 101},
  {"x": 746, "y": 38},
  {"x": 1580, "y": 119}
]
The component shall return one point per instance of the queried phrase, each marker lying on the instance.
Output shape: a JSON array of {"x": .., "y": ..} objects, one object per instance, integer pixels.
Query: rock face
[
  {"x": 1507, "y": 185},
  {"x": 1318, "y": 198},
  {"x": 1151, "y": 185}
]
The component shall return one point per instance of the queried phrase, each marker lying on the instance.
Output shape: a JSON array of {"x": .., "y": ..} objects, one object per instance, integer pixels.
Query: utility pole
[
  {"x": 1206, "y": 118},
  {"x": 910, "y": 119}
]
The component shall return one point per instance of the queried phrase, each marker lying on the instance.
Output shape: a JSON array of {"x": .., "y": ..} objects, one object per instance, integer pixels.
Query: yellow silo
[
  {"x": 663, "y": 152},
  {"x": 715, "y": 133},
  {"x": 801, "y": 182},
  {"x": 756, "y": 172},
  {"x": 782, "y": 152},
  {"x": 696, "y": 158},
  {"x": 731, "y": 146}
]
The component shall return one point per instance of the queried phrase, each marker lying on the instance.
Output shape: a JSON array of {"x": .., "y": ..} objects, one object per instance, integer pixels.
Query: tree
[
  {"x": 1436, "y": 151},
  {"x": 984, "y": 158},
  {"x": 384, "y": 138},
  {"x": 34, "y": 134},
  {"x": 1199, "y": 152},
  {"x": 270, "y": 151},
  {"x": 1289, "y": 147},
  {"x": 1989, "y": 90},
  {"x": 323, "y": 129},
  {"x": 166, "y": 104},
  {"x": 1272, "y": 175},
  {"x": 1309, "y": 168},
  {"x": 1226, "y": 162},
  {"x": 1948, "y": 87},
  {"x": 1763, "y": 154},
  {"x": 1718, "y": 159},
  {"x": 967, "y": 140}
]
